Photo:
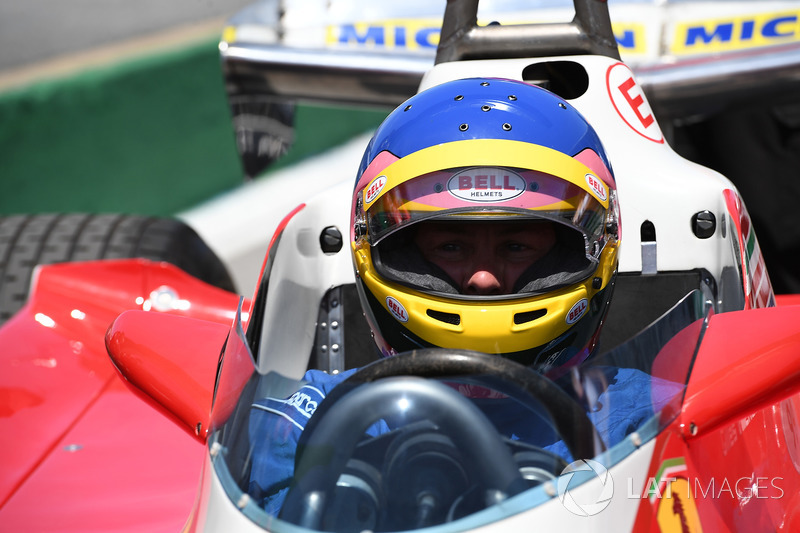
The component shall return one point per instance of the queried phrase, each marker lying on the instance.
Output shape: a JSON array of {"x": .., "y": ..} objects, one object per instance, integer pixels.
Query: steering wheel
[
  {"x": 372, "y": 394},
  {"x": 569, "y": 418}
]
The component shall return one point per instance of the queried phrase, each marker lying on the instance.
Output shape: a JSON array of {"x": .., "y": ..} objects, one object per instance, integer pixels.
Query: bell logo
[
  {"x": 397, "y": 309},
  {"x": 597, "y": 187},
  {"x": 374, "y": 189},
  {"x": 577, "y": 311},
  {"x": 486, "y": 185}
]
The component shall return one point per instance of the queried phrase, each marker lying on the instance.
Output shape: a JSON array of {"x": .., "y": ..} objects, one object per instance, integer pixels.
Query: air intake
[
  {"x": 529, "y": 316},
  {"x": 448, "y": 318}
]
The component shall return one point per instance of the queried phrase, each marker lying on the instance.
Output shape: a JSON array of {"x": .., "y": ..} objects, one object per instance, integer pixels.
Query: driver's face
[{"x": 484, "y": 258}]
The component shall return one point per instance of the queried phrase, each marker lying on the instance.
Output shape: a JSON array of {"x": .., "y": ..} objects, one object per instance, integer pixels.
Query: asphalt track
[{"x": 38, "y": 31}]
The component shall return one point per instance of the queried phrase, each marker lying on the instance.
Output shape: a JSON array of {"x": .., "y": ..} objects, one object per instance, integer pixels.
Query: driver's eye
[
  {"x": 449, "y": 247},
  {"x": 516, "y": 247}
]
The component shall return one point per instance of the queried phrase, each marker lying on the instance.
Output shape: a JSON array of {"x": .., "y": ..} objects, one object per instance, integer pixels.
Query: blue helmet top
[{"x": 483, "y": 108}]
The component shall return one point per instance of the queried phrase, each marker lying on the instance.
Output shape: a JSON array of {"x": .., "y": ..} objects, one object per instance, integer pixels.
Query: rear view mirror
[{"x": 171, "y": 361}]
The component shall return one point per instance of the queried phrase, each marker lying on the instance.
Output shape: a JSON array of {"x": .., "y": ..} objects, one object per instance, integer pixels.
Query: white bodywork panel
[{"x": 300, "y": 277}]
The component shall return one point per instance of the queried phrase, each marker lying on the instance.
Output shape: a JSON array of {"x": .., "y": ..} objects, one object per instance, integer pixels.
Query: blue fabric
[
  {"x": 622, "y": 405},
  {"x": 275, "y": 428}
]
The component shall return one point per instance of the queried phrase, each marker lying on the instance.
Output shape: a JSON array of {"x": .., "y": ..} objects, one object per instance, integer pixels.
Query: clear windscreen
[{"x": 438, "y": 438}]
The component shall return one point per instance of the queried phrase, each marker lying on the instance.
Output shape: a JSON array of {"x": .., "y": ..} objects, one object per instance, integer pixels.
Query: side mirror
[
  {"x": 747, "y": 361},
  {"x": 171, "y": 361}
]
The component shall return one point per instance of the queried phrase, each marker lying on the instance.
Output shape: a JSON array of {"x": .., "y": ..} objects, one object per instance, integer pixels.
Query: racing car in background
[{"x": 693, "y": 307}]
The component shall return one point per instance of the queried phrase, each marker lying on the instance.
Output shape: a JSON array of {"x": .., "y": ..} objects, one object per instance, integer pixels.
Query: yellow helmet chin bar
[{"x": 490, "y": 326}]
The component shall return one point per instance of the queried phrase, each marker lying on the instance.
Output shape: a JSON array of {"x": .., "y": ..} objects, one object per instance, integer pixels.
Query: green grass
[{"x": 150, "y": 136}]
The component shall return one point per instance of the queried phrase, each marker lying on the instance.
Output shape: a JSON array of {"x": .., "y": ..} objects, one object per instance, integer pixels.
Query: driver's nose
[{"x": 482, "y": 282}]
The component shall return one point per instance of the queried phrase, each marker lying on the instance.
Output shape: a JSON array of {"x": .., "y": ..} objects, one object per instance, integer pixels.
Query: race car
[{"x": 130, "y": 384}]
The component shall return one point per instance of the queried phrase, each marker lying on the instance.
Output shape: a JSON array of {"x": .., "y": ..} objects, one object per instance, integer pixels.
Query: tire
[{"x": 30, "y": 240}]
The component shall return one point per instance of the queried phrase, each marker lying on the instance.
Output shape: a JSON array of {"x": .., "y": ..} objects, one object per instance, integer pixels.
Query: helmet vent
[
  {"x": 448, "y": 318},
  {"x": 529, "y": 316}
]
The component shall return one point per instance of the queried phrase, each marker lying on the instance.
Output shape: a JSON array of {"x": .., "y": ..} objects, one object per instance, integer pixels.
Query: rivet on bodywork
[
  {"x": 507, "y": 126},
  {"x": 464, "y": 127},
  {"x": 512, "y": 97},
  {"x": 486, "y": 107},
  {"x": 459, "y": 97},
  {"x": 407, "y": 107},
  {"x": 562, "y": 105},
  {"x": 243, "y": 501},
  {"x": 215, "y": 449}
]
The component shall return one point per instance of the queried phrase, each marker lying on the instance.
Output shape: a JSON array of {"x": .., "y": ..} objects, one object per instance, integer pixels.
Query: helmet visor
[
  {"x": 487, "y": 193},
  {"x": 472, "y": 197}
]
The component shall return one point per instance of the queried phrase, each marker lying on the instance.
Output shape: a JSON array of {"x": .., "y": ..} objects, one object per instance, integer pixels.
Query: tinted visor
[
  {"x": 440, "y": 256},
  {"x": 487, "y": 192},
  {"x": 545, "y": 231}
]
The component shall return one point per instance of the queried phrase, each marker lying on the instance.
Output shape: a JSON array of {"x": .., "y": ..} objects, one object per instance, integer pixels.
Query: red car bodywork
[
  {"x": 82, "y": 452},
  {"x": 730, "y": 461}
]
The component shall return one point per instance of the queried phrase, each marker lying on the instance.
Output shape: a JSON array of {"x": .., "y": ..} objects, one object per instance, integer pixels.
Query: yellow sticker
[
  {"x": 407, "y": 34},
  {"x": 424, "y": 33},
  {"x": 677, "y": 510},
  {"x": 736, "y": 33}
]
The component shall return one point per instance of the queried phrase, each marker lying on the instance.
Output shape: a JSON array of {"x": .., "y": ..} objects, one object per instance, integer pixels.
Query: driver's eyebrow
[
  {"x": 454, "y": 230},
  {"x": 506, "y": 230}
]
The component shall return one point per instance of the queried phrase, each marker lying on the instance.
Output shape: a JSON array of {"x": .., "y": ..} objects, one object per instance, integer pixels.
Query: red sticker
[{"x": 630, "y": 103}]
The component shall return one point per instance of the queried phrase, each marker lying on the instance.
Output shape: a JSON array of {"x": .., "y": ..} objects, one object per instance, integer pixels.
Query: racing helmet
[{"x": 480, "y": 156}]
